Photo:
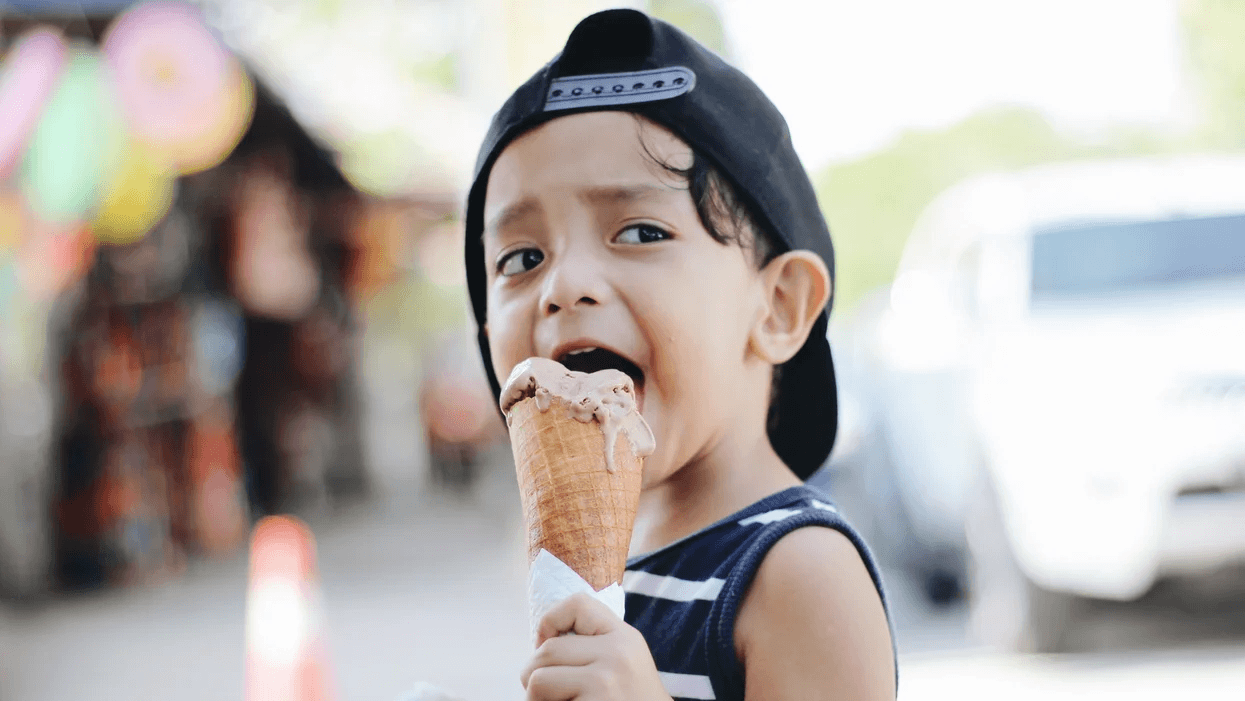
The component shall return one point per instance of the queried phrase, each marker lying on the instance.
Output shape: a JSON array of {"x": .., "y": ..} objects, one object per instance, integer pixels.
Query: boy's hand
[{"x": 606, "y": 659}]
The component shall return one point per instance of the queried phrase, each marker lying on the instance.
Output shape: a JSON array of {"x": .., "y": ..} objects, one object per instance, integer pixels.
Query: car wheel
[{"x": 1006, "y": 609}]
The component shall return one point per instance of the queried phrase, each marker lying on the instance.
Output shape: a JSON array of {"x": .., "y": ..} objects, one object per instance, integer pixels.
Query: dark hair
[{"x": 722, "y": 212}]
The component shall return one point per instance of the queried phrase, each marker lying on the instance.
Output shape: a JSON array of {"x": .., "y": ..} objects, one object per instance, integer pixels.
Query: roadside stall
[{"x": 176, "y": 258}]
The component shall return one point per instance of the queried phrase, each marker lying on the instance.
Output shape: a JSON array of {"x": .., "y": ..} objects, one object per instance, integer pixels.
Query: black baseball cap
[{"x": 626, "y": 60}]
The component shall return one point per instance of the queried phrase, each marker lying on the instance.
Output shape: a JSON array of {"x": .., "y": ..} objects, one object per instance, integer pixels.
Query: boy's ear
[{"x": 796, "y": 287}]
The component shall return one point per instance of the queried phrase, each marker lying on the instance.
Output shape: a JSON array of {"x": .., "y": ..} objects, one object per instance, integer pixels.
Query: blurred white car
[{"x": 1064, "y": 395}]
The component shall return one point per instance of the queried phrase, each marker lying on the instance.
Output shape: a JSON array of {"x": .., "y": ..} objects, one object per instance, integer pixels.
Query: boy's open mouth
[{"x": 596, "y": 359}]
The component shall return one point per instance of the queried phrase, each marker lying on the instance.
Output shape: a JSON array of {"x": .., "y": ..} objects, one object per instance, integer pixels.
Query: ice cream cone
[{"x": 574, "y": 506}]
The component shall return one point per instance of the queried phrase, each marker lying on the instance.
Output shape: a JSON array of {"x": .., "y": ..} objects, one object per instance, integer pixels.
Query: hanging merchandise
[
  {"x": 139, "y": 196},
  {"x": 77, "y": 144},
  {"x": 182, "y": 91},
  {"x": 380, "y": 234},
  {"x": 273, "y": 272},
  {"x": 53, "y": 257},
  {"x": 133, "y": 509},
  {"x": 27, "y": 78},
  {"x": 218, "y": 506},
  {"x": 210, "y": 146},
  {"x": 218, "y": 337},
  {"x": 118, "y": 372},
  {"x": 12, "y": 220}
]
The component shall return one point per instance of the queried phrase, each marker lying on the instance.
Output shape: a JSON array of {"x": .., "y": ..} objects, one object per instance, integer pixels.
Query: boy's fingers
[
  {"x": 568, "y": 651},
  {"x": 556, "y": 683},
  {"x": 579, "y": 614}
]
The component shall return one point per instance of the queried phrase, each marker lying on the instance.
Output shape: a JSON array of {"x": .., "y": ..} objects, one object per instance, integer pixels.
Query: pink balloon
[
  {"x": 169, "y": 69},
  {"x": 27, "y": 78}
]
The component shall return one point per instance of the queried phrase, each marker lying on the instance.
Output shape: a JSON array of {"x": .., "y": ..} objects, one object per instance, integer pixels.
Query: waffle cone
[{"x": 572, "y": 505}]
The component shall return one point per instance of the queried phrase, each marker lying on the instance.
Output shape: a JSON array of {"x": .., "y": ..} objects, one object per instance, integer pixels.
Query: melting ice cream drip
[{"x": 608, "y": 396}]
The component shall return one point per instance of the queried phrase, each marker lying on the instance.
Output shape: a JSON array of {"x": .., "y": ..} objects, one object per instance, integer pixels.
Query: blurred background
[{"x": 231, "y": 286}]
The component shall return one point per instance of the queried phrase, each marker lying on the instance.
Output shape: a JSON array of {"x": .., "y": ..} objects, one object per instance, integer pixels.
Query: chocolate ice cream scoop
[{"x": 608, "y": 396}]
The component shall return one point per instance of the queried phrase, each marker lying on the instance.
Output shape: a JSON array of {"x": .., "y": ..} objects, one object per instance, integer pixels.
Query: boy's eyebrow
[
  {"x": 609, "y": 194},
  {"x": 615, "y": 194},
  {"x": 511, "y": 213}
]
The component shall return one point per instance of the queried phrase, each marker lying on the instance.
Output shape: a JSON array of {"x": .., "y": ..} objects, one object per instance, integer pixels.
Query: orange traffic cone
[{"x": 286, "y": 659}]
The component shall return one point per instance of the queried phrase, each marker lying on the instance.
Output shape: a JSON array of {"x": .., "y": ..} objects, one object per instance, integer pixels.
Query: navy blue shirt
[{"x": 684, "y": 597}]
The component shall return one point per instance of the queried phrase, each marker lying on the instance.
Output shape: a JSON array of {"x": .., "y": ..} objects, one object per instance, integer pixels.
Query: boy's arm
[{"x": 812, "y": 624}]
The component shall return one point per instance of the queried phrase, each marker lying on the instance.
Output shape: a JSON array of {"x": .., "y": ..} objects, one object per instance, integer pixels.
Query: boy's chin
[{"x": 663, "y": 464}]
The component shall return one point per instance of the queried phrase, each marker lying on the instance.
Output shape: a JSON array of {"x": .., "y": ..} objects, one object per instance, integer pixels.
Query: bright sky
[{"x": 850, "y": 75}]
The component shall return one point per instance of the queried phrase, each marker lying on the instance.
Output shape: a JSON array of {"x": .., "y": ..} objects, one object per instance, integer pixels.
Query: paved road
[
  {"x": 421, "y": 591},
  {"x": 434, "y": 591}
]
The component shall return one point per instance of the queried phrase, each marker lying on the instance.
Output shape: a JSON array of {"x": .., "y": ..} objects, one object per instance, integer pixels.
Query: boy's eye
[
  {"x": 520, "y": 261},
  {"x": 641, "y": 233}
]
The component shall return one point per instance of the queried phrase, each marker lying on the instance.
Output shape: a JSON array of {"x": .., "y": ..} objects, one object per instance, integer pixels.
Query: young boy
[{"x": 638, "y": 205}]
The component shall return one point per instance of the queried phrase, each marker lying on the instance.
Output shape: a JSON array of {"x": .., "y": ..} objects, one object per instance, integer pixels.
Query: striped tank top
[{"x": 684, "y": 597}]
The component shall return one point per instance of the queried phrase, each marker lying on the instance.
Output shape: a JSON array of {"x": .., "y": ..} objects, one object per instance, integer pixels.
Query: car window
[{"x": 1108, "y": 259}]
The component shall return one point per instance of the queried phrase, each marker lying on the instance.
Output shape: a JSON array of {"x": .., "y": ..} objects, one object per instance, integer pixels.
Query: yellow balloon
[{"x": 137, "y": 198}]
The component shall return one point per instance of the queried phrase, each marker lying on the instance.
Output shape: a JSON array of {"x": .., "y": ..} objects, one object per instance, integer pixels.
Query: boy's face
[{"x": 589, "y": 243}]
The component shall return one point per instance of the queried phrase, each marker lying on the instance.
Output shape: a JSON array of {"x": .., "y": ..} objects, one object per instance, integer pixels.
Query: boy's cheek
[{"x": 507, "y": 345}]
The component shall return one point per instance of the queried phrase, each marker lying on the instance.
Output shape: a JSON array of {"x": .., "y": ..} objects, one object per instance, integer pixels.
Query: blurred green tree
[
  {"x": 1214, "y": 34},
  {"x": 441, "y": 71}
]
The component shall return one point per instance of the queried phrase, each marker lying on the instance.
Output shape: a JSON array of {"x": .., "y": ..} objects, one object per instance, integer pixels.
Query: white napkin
[{"x": 550, "y": 581}]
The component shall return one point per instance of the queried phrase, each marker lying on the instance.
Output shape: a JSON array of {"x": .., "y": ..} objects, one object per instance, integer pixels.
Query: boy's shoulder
[
  {"x": 813, "y": 621},
  {"x": 790, "y": 561}
]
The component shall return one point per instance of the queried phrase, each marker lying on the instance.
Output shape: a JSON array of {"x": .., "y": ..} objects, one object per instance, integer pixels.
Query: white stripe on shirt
[
  {"x": 770, "y": 516},
  {"x": 666, "y": 587},
  {"x": 687, "y": 686},
  {"x": 823, "y": 506}
]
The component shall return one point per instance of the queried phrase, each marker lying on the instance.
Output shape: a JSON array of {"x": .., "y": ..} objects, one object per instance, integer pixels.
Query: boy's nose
[{"x": 572, "y": 284}]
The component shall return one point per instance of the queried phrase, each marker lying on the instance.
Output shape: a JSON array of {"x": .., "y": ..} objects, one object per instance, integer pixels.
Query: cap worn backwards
[{"x": 626, "y": 60}]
